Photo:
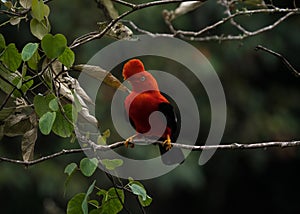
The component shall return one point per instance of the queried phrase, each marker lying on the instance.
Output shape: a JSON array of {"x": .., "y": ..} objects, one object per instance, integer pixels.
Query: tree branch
[
  {"x": 199, "y": 35},
  {"x": 281, "y": 57},
  {"x": 134, "y": 7},
  {"x": 195, "y": 35},
  {"x": 39, "y": 160},
  {"x": 95, "y": 147}
]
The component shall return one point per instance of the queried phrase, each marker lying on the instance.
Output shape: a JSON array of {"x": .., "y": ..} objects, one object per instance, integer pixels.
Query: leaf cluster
[{"x": 105, "y": 201}]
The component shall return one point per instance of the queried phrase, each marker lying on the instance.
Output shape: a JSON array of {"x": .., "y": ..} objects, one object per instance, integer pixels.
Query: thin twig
[
  {"x": 7, "y": 12},
  {"x": 6, "y": 99},
  {"x": 116, "y": 186},
  {"x": 14, "y": 88},
  {"x": 281, "y": 57},
  {"x": 195, "y": 35},
  {"x": 128, "y": 4},
  {"x": 143, "y": 31},
  {"x": 39, "y": 160},
  {"x": 139, "y": 204}
]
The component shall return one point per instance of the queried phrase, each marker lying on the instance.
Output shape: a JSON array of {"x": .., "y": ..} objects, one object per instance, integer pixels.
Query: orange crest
[{"x": 132, "y": 67}]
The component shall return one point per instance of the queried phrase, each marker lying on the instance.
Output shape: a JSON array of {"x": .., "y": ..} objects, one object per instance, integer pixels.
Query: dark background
[{"x": 262, "y": 105}]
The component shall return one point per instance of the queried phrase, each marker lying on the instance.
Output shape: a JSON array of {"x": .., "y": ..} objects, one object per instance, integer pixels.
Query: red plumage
[{"x": 145, "y": 99}]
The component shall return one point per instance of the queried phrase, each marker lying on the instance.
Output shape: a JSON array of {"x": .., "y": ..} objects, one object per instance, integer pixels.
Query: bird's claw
[
  {"x": 167, "y": 143},
  {"x": 128, "y": 142}
]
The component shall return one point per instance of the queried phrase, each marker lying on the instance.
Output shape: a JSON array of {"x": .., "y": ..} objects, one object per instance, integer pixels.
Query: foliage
[
  {"x": 39, "y": 95},
  {"x": 112, "y": 199}
]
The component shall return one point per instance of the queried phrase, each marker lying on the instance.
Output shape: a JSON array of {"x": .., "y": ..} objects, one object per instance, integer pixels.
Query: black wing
[
  {"x": 131, "y": 122},
  {"x": 174, "y": 155},
  {"x": 168, "y": 110}
]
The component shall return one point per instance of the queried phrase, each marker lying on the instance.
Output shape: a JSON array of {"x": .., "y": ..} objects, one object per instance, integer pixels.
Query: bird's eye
[{"x": 143, "y": 78}]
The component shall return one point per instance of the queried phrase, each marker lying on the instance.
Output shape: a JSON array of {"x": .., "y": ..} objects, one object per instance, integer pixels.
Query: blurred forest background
[{"x": 262, "y": 105}]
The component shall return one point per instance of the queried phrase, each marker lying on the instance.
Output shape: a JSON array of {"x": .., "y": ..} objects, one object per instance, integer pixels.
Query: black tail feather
[{"x": 171, "y": 156}]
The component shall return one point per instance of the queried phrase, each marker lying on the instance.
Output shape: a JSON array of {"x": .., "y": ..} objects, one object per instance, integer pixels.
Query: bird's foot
[
  {"x": 167, "y": 143},
  {"x": 128, "y": 141}
]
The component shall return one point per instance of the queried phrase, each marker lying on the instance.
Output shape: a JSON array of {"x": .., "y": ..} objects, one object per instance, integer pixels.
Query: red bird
[{"x": 144, "y": 99}]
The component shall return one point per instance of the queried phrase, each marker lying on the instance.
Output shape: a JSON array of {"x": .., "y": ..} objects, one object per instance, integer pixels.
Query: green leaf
[
  {"x": 39, "y": 28},
  {"x": 11, "y": 57},
  {"x": 27, "y": 85},
  {"x": 24, "y": 70},
  {"x": 95, "y": 211},
  {"x": 2, "y": 43},
  {"x": 94, "y": 203},
  {"x": 138, "y": 190},
  {"x": 84, "y": 204},
  {"x": 112, "y": 164},
  {"x": 110, "y": 202},
  {"x": 101, "y": 140},
  {"x": 113, "y": 194},
  {"x": 103, "y": 192},
  {"x": 46, "y": 11},
  {"x": 39, "y": 10},
  {"x": 74, "y": 205},
  {"x": 6, "y": 76},
  {"x": 88, "y": 166},
  {"x": 46, "y": 122},
  {"x": 62, "y": 127},
  {"x": 106, "y": 133},
  {"x": 143, "y": 201},
  {"x": 67, "y": 58},
  {"x": 41, "y": 103},
  {"x": 34, "y": 60},
  {"x": 29, "y": 50},
  {"x": 53, "y": 104},
  {"x": 18, "y": 82},
  {"x": 146, "y": 202},
  {"x": 70, "y": 168},
  {"x": 54, "y": 46}
]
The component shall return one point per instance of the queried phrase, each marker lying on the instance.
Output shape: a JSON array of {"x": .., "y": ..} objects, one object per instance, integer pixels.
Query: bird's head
[
  {"x": 132, "y": 67},
  {"x": 141, "y": 80}
]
